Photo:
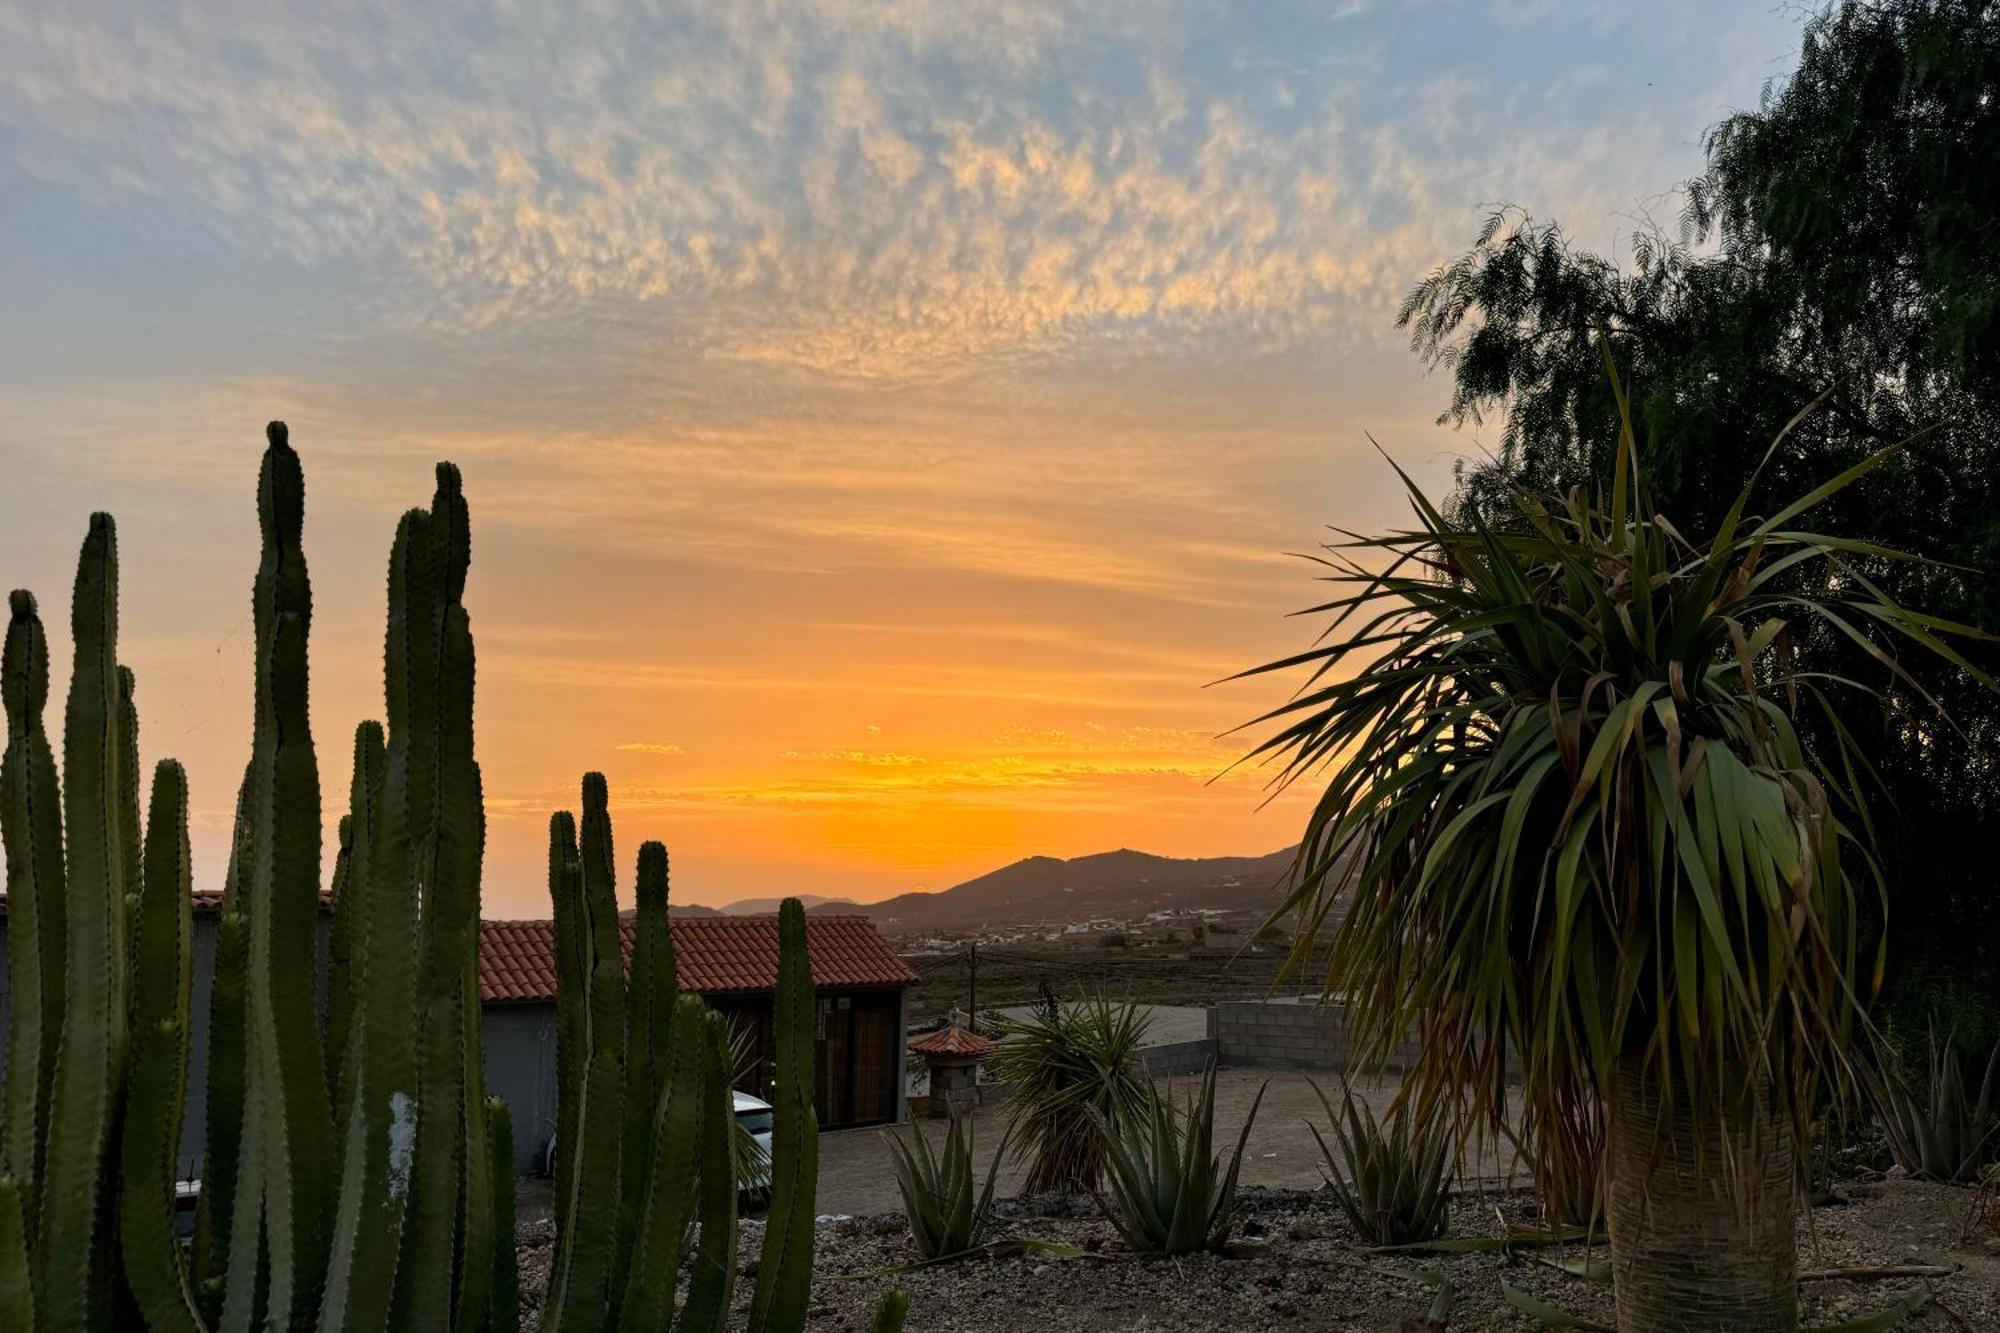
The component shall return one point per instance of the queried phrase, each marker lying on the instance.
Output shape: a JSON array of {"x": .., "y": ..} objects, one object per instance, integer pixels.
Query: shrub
[
  {"x": 1945, "y": 1135},
  {"x": 946, "y": 1218},
  {"x": 1173, "y": 1194},
  {"x": 1073, "y": 1067},
  {"x": 1394, "y": 1184}
]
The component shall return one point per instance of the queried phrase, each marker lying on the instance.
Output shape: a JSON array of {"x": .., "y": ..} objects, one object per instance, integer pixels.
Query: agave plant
[
  {"x": 946, "y": 1217},
  {"x": 1173, "y": 1194},
  {"x": 1394, "y": 1184},
  {"x": 1074, "y": 1069},
  {"x": 1574, "y": 836},
  {"x": 1944, "y": 1134}
]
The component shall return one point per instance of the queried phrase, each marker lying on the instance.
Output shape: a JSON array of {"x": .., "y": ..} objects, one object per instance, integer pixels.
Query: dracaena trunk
[{"x": 1702, "y": 1216}]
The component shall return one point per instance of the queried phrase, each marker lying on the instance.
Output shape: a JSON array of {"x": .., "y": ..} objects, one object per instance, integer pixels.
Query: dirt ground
[
  {"x": 855, "y": 1177},
  {"x": 1296, "y": 1265}
]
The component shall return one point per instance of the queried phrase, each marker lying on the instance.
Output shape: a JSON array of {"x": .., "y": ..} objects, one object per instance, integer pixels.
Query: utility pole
[{"x": 972, "y": 990}]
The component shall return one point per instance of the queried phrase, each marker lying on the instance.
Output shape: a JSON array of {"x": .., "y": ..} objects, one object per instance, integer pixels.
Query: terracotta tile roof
[
  {"x": 712, "y": 954},
  {"x": 954, "y": 1042}
]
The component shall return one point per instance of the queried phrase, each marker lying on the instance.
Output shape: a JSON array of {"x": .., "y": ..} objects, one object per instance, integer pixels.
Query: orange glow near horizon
[{"x": 881, "y": 422}]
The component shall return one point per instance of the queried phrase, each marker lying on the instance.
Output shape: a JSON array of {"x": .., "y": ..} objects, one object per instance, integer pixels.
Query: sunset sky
[{"x": 880, "y": 420}]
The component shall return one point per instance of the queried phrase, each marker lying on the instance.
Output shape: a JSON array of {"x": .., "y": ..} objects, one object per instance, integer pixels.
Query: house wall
[
  {"x": 194, "y": 1119},
  {"x": 519, "y": 1043}
]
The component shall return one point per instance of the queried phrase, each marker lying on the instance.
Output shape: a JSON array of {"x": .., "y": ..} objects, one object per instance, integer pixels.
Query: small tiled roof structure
[
  {"x": 713, "y": 955},
  {"x": 953, "y": 1042}
]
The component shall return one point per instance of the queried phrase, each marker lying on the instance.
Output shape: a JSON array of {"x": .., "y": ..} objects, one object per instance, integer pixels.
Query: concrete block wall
[
  {"x": 1287, "y": 1035},
  {"x": 1178, "y": 1058}
]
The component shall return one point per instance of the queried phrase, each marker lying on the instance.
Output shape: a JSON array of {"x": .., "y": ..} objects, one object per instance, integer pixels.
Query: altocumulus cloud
[{"x": 900, "y": 188}]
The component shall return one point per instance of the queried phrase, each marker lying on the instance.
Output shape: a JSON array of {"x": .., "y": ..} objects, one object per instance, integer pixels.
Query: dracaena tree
[{"x": 1570, "y": 835}]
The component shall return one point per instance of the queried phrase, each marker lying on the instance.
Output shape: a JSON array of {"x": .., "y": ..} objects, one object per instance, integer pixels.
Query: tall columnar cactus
[
  {"x": 288, "y": 1126},
  {"x": 162, "y": 974},
  {"x": 76, "y": 1285},
  {"x": 649, "y": 1032},
  {"x": 676, "y": 1061},
  {"x": 227, "y": 1069},
  {"x": 784, "y": 1274},
  {"x": 356, "y": 1179},
  {"x": 506, "y": 1294},
  {"x": 378, "y": 1075},
  {"x": 450, "y": 1201},
  {"x": 580, "y": 1298},
  {"x": 31, "y": 825}
]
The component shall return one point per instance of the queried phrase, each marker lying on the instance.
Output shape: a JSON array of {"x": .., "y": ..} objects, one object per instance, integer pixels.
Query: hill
[
  {"x": 1123, "y": 883},
  {"x": 761, "y": 906}
]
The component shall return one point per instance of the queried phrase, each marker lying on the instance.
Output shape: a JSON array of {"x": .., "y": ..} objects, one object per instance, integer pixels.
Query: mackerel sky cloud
[{"x": 880, "y": 419}]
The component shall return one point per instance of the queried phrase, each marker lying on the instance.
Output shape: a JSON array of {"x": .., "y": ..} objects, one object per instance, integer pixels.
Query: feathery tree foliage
[{"x": 1841, "y": 241}]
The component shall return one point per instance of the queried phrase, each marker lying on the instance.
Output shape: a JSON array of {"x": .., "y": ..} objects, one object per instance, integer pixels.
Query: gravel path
[{"x": 1296, "y": 1265}]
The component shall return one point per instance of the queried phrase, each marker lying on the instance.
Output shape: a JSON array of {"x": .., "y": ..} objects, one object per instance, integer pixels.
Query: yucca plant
[
  {"x": 1943, "y": 1131},
  {"x": 1073, "y": 1068},
  {"x": 1394, "y": 1184},
  {"x": 1569, "y": 831},
  {"x": 1563, "y": 1147},
  {"x": 947, "y": 1217},
  {"x": 1173, "y": 1195}
]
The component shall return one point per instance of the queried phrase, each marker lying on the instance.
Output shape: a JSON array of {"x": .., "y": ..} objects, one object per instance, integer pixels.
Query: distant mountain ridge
[
  {"x": 761, "y": 906},
  {"x": 1123, "y": 883}
]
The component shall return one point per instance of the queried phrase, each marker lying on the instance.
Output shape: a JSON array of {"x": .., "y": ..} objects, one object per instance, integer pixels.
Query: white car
[{"x": 753, "y": 1114}]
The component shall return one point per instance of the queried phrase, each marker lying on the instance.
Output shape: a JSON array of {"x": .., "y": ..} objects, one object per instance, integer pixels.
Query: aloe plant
[
  {"x": 1173, "y": 1194},
  {"x": 946, "y": 1216},
  {"x": 1393, "y": 1183},
  {"x": 1943, "y": 1132}
]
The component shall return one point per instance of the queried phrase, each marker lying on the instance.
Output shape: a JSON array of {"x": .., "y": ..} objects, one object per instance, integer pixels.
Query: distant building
[
  {"x": 732, "y": 962},
  {"x": 1213, "y": 938}
]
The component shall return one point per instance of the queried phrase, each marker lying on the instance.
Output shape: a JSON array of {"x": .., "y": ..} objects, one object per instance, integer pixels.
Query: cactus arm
[
  {"x": 784, "y": 1274},
  {"x": 667, "y": 1203},
  {"x": 287, "y": 1083},
  {"x": 649, "y": 1021},
  {"x": 565, "y": 908},
  {"x": 506, "y": 1317},
  {"x": 162, "y": 974},
  {"x": 712, "y": 1282},
  {"x": 380, "y": 1081},
  {"x": 340, "y": 964},
  {"x": 17, "y": 1288},
  {"x": 31, "y": 827},
  {"x": 90, "y": 1060},
  {"x": 483, "y": 1245},
  {"x": 581, "y": 1300},
  {"x": 449, "y": 1205}
]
